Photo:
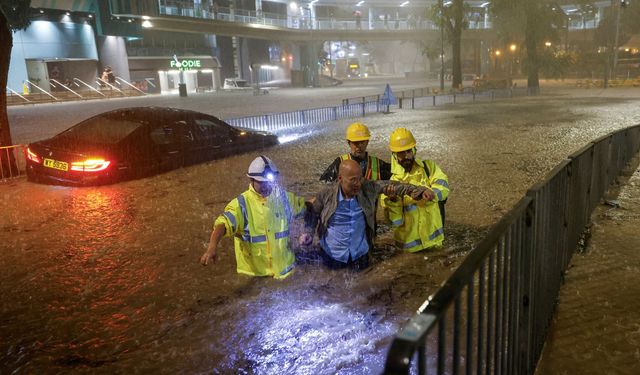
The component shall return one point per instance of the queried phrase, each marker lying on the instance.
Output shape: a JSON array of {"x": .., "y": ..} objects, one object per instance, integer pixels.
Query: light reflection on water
[{"x": 297, "y": 332}]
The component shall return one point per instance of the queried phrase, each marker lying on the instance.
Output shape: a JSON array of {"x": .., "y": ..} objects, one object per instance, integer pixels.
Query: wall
[{"x": 45, "y": 40}]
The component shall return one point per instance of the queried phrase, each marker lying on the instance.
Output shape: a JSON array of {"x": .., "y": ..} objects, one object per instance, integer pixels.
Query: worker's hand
[
  {"x": 209, "y": 255},
  {"x": 428, "y": 195},
  {"x": 305, "y": 239},
  {"x": 417, "y": 194},
  {"x": 390, "y": 192}
]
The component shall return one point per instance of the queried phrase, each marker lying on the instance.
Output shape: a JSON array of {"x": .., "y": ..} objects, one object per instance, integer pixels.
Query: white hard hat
[{"x": 262, "y": 169}]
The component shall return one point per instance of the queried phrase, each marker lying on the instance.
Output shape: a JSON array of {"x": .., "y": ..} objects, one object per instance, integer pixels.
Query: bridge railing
[{"x": 493, "y": 314}]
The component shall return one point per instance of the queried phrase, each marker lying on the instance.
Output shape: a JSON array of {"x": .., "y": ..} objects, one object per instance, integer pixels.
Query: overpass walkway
[{"x": 596, "y": 326}]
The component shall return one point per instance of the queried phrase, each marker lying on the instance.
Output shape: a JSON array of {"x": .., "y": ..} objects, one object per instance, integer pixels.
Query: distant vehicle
[
  {"x": 236, "y": 84},
  {"x": 136, "y": 142}
]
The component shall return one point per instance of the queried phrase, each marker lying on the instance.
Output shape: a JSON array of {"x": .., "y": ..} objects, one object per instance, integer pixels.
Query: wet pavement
[
  {"x": 596, "y": 328},
  {"x": 107, "y": 279}
]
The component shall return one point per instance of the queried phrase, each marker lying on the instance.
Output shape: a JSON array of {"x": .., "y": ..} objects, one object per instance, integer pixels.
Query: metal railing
[
  {"x": 363, "y": 105},
  {"x": 287, "y": 120},
  {"x": 12, "y": 162},
  {"x": 493, "y": 314}
]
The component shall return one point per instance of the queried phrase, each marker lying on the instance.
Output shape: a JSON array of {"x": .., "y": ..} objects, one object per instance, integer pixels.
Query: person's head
[
  {"x": 358, "y": 139},
  {"x": 263, "y": 174},
  {"x": 403, "y": 146},
  {"x": 350, "y": 177}
]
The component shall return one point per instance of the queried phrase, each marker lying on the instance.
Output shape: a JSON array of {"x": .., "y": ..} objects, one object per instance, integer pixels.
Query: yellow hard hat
[
  {"x": 357, "y": 132},
  {"x": 401, "y": 139}
]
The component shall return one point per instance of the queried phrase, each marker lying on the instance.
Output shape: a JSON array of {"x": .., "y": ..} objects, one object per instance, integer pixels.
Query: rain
[{"x": 108, "y": 278}]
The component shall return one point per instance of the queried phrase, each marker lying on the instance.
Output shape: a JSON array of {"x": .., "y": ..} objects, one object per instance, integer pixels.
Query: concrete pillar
[{"x": 113, "y": 52}]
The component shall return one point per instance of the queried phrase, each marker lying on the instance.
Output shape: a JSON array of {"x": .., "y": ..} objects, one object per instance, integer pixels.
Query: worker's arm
[
  {"x": 311, "y": 220},
  {"x": 217, "y": 234},
  {"x": 331, "y": 173}
]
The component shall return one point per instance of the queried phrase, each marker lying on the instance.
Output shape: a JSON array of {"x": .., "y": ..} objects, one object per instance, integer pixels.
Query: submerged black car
[{"x": 136, "y": 142}]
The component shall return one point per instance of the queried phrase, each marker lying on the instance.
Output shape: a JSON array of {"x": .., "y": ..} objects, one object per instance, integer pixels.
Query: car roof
[{"x": 154, "y": 111}]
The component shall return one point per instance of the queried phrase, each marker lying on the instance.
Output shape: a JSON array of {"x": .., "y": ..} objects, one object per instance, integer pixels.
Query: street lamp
[{"x": 512, "y": 49}]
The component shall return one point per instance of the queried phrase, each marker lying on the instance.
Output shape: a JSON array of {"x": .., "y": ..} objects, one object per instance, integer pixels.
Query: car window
[
  {"x": 165, "y": 134},
  {"x": 212, "y": 131},
  {"x": 102, "y": 129}
]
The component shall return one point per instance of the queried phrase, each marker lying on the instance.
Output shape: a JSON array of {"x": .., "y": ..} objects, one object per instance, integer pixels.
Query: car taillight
[
  {"x": 90, "y": 165},
  {"x": 33, "y": 156}
]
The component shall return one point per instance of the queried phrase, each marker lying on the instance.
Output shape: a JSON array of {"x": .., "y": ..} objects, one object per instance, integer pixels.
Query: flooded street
[{"x": 108, "y": 279}]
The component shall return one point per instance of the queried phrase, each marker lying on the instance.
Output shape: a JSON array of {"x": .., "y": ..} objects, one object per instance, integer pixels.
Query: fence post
[
  {"x": 526, "y": 278},
  {"x": 454, "y": 98},
  {"x": 363, "y": 103},
  {"x": 378, "y": 104},
  {"x": 434, "y": 100},
  {"x": 335, "y": 113},
  {"x": 492, "y": 94},
  {"x": 400, "y": 103},
  {"x": 413, "y": 103}
]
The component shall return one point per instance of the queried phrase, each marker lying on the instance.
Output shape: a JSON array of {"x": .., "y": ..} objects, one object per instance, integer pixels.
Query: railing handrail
[
  {"x": 56, "y": 82},
  {"x": 18, "y": 95},
  {"x": 75, "y": 79},
  {"x": 110, "y": 85},
  {"x": 129, "y": 84},
  {"x": 41, "y": 89}
]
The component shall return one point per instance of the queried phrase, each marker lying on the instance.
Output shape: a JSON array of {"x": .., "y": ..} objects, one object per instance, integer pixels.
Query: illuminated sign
[
  {"x": 186, "y": 64},
  {"x": 353, "y": 65}
]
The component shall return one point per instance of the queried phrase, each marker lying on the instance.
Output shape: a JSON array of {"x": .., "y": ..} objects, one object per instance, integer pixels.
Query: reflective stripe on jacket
[
  {"x": 260, "y": 227},
  {"x": 417, "y": 224},
  {"x": 372, "y": 172}
]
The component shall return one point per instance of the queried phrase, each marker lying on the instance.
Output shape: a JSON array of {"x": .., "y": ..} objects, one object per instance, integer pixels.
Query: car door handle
[{"x": 173, "y": 152}]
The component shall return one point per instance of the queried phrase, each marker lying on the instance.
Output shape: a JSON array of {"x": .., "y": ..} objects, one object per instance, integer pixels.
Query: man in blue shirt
[{"x": 345, "y": 216}]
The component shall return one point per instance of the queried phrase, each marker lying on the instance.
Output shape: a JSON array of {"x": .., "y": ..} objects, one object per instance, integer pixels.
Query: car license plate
[{"x": 55, "y": 164}]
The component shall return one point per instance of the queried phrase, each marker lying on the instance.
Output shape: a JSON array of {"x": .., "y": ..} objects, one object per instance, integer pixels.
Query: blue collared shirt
[{"x": 346, "y": 231}]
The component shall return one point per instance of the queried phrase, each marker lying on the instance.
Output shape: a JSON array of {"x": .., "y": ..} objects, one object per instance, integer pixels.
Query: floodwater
[{"x": 108, "y": 280}]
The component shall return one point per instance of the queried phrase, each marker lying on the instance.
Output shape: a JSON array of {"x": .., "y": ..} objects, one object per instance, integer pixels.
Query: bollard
[
  {"x": 400, "y": 103},
  {"x": 454, "y": 98},
  {"x": 413, "y": 103},
  {"x": 434, "y": 100}
]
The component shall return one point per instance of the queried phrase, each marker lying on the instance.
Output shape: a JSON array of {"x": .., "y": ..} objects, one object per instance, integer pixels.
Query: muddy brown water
[{"x": 107, "y": 279}]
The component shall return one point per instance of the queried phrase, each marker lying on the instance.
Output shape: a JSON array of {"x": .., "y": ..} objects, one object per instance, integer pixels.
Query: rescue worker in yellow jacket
[
  {"x": 259, "y": 220},
  {"x": 418, "y": 225},
  {"x": 358, "y": 136}
]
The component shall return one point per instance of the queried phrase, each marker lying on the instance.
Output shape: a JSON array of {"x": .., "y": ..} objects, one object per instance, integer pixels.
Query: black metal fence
[
  {"x": 363, "y": 105},
  {"x": 492, "y": 315}
]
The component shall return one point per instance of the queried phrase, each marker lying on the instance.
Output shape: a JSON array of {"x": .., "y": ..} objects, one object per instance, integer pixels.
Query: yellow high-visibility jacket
[
  {"x": 373, "y": 167},
  {"x": 417, "y": 224},
  {"x": 260, "y": 227}
]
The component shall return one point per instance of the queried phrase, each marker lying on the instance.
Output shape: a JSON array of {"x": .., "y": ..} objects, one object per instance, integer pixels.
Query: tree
[
  {"x": 452, "y": 19},
  {"x": 533, "y": 22},
  {"x": 14, "y": 15}
]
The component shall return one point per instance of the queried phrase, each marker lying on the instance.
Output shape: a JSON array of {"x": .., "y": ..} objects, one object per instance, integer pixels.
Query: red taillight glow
[
  {"x": 90, "y": 165},
  {"x": 33, "y": 157}
]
